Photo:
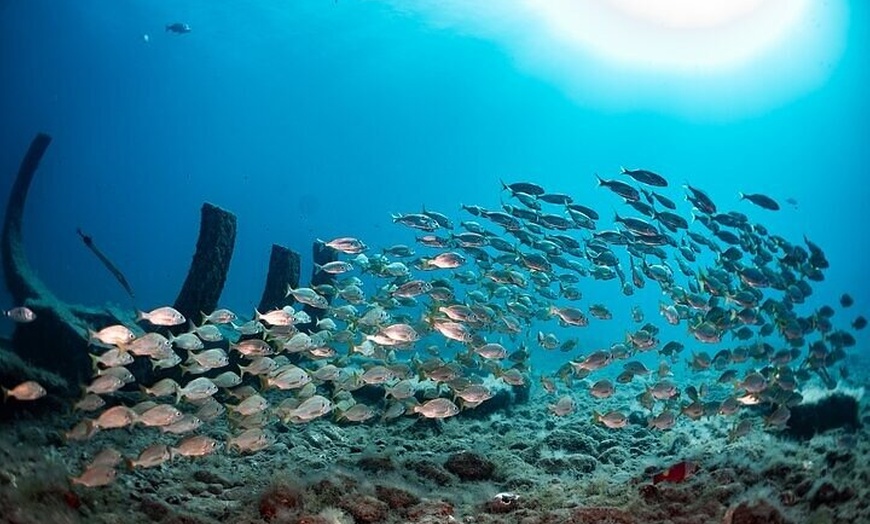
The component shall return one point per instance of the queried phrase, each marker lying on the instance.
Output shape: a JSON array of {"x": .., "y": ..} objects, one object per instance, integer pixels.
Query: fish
[
  {"x": 612, "y": 419},
  {"x": 95, "y": 476},
  {"x": 219, "y": 316},
  {"x": 524, "y": 187},
  {"x": 336, "y": 267},
  {"x": 439, "y": 408},
  {"x": 194, "y": 446},
  {"x": 163, "y": 316},
  {"x": 760, "y": 200},
  {"x": 179, "y": 28},
  {"x": 25, "y": 391},
  {"x": 113, "y": 269},
  {"x": 150, "y": 457},
  {"x": 20, "y": 314},
  {"x": 564, "y": 406},
  {"x": 620, "y": 188},
  {"x": 250, "y": 441},
  {"x": 679, "y": 472},
  {"x": 115, "y": 335},
  {"x": 645, "y": 177}
]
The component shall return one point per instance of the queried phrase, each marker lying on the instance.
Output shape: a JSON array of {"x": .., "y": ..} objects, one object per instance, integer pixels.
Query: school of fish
[{"x": 436, "y": 332}]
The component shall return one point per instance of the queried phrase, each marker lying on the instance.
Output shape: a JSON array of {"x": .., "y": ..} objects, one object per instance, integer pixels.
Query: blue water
[{"x": 315, "y": 119}]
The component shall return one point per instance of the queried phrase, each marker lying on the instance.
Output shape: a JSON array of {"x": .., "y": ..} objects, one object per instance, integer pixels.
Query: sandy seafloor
[{"x": 564, "y": 470}]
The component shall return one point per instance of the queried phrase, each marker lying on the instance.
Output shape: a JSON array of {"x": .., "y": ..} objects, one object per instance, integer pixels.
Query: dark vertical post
[
  {"x": 208, "y": 271},
  {"x": 283, "y": 272}
]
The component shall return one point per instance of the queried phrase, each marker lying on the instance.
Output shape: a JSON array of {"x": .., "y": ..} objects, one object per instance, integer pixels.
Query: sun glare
[
  {"x": 700, "y": 58},
  {"x": 672, "y": 35}
]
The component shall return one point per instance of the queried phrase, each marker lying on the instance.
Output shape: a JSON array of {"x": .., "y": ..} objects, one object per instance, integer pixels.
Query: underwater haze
[{"x": 575, "y": 261}]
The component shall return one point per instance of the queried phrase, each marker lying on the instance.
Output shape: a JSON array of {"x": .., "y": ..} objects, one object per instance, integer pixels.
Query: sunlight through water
[{"x": 709, "y": 60}]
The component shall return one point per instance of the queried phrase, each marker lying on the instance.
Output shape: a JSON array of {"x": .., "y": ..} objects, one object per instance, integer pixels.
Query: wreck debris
[
  {"x": 208, "y": 271},
  {"x": 283, "y": 272}
]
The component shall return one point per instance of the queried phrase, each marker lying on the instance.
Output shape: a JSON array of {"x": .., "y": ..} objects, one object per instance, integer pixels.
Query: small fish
[
  {"x": 336, "y": 267},
  {"x": 195, "y": 446},
  {"x": 620, "y": 188},
  {"x": 760, "y": 200},
  {"x": 646, "y": 177},
  {"x": 29, "y": 390},
  {"x": 104, "y": 384},
  {"x": 21, "y": 314},
  {"x": 846, "y": 300},
  {"x": 95, "y": 476},
  {"x": 663, "y": 421},
  {"x": 90, "y": 402},
  {"x": 250, "y": 441},
  {"x": 524, "y": 187},
  {"x": 676, "y": 473},
  {"x": 109, "y": 457},
  {"x": 437, "y": 408},
  {"x": 357, "y": 413},
  {"x": 564, "y": 406},
  {"x": 310, "y": 409},
  {"x": 219, "y": 316},
  {"x": 197, "y": 389},
  {"x": 116, "y": 335},
  {"x": 151, "y": 457},
  {"x": 612, "y": 420},
  {"x": 116, "y": 417},
  {"x": 160, "y": 415},
  {"x": 602, "y": 389},
  {"x": 163, "y": 316},
  {"x": 178, "y": 28}
]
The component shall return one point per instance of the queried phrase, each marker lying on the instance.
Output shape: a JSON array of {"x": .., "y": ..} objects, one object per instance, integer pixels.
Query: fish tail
[
  {"x": 5, "y": 393},
  {"x": 600, "y": 180},
  {"x": 317, "y": 268},
  {"x": 623, "y": 170},
  {"x": 741, "y": 195},
  {"x": 94, "y": 362}
]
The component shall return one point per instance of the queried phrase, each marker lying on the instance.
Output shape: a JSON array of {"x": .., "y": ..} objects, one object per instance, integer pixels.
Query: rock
[
  {"x": 280, "y": 501},
  {"x": 376, "y": 464},
  {"x": 208, "y": 476},
  {"x": 470, "y": 466},
  {"x": 600, "y": 516},
  {"x": 154, "y": 509},
  {"x": 283, "y": 271},
  {"x": 757, "y": 512},
  {"x": 830, "y": 412},
  {"x": 365, "y": 509},
  {"x": 828, "y": 495},
  {"x": 208, "y": 270},
  {"x": 429, "y": 470},
  {"x": 570, "y": 441},
  {"x": 396, "y": 498}
]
